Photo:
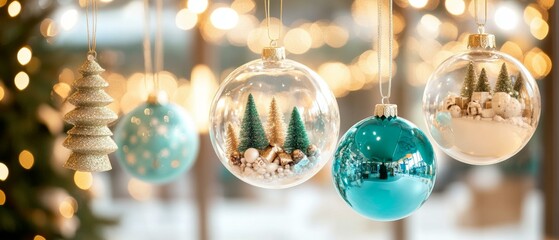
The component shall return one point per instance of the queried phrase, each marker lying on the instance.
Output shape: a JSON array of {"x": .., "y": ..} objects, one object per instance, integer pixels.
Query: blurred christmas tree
[{"x": 38, "y": 199}]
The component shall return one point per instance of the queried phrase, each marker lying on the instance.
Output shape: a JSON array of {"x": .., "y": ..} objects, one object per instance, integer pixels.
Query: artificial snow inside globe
[
  {"x": 274, "y": 121},
  {"x": 481, "y": 106}
]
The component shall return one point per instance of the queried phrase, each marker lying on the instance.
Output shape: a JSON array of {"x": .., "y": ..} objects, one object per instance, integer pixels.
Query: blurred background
[{"x": 43, "y": 42}]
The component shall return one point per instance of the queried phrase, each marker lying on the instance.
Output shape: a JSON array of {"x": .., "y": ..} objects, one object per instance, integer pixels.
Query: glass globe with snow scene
[
  {"x": 274, "y": 122},
  {"x": 481, "y": 106}
]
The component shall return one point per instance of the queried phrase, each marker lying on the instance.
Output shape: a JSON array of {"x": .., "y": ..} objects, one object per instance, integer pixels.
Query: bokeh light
[
  {"x": 197, "y": 6},
  {"x": 139, "y": 190},
  {"x": 186, "y": 19},
  {"x": 4, "y": 172},
  {"x": 224, "y": 18},
  {"x": 21, "y": 80},
  {"x": 24, "y": 55},
  {"x": 69, "y": 19},
  {"x": 14, "y": 8},
  {"x": 506, "y": 17},
  {"x": 455, "y": 7},
  {"x": 83, "y": 180},
  {"x": 418, "y": 3},
  {"x": 297, "y": 41},
  {"x": 26, "y": 159}
]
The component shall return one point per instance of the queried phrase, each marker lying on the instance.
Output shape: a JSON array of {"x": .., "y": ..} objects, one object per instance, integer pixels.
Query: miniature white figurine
[
  {"x": 474, "y": 108},
  {"x": 455, "y": 111}
]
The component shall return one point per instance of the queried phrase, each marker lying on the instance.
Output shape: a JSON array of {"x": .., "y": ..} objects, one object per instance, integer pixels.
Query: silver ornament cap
[
  {"x": 273, "y": 54},
  {"x": 481, "y": 41},
  {"x": 386, "y": 110}
]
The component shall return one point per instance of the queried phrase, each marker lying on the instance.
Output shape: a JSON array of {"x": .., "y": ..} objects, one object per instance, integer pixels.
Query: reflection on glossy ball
[
  {"x": 384, "y": 168},
  {"x": 481, "y": 121},
  {"x": 254, "y": 109},
  {"x": 157, "y": 142}
]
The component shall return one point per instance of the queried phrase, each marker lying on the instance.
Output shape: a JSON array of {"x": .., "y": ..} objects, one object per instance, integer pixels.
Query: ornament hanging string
[
  {"x": 158, "y": 44},
  {"x": 480, "y": 22},
  {"x": 91, "y": 31},
  {"x": 273, "y": 40},
  {"x": 385, "y": 97}
]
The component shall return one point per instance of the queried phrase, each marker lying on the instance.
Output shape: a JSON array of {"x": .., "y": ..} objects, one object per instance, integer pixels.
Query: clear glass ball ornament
[
  {"x": 274, "y": 122},
  {"x": 157, "y": 141},
  {"x": 384, "y": 167},
  {"x": 481, "y": 106}
]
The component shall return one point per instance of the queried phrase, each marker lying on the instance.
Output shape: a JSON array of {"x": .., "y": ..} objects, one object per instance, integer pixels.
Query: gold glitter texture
[{"x": 90, "y": 138}]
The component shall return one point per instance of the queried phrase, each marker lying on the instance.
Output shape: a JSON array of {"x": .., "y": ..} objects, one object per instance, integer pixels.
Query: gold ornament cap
[
  {"x": 273, "y": 54},
  {"x": 158, "y": 97},
  {"x": 481, "y": 41},
  {"x": 386, "y": 110}
]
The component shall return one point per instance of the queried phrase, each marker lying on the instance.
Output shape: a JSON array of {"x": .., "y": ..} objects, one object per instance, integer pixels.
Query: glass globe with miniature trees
[
  {"x": 481, "y": 106},
  {"x": 274, "y": 122}
]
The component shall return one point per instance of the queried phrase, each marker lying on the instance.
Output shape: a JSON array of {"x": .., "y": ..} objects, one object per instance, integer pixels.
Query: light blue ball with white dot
[{"x": 156, "y": 142}]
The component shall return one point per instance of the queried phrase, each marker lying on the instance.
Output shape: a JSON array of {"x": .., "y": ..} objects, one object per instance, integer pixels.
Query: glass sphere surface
[
  {"x": 384, "y": 168},
  {"x": 274, "y": 124},
  {"x": 157, "y": 142},
  {"x": 481, "y": 122}
]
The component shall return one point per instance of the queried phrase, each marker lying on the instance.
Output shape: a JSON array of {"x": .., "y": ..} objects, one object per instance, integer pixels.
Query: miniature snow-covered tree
[
  {"x": 231, "y": 140},
  {"x": 503, "y": 81},
  {"x": 482, "y": 83},
  {"x": 468, "y": 85},
  {"x": 275, "y": 128},
  {"x": 296, "y": 134},
  {"x": 252, "y": 132},
  {"x": 518, "y": 86}
]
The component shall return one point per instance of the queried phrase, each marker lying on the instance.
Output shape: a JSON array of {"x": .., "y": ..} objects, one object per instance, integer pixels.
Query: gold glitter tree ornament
[{"x": 90, "y": 138}]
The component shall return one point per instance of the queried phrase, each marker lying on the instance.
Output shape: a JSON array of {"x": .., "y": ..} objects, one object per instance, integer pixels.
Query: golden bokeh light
[
  {"x": 506, "y": 17},
  {"x": 39, "y": 237},
  {"x": 24, "y": 55},
  {"x": 4, "y": 172},
  {"x": 83, "y": 180},
  {"x": 546, "y": 4},
  {"x": 224, "y": 18},
  {"x": 14, "y": 8},
  {"x": 513, "y": 49},
  {"x": 3, "y": 2},
  {"x": 203, "y": 88},
  {"x": 197, "y": 6},
  {"x": 297, "y": 41},
  {"x": 539, "y": 28},
  {"x": 337, "y": 75},
  {"x": 238, "y": 35},
  {"x": 531, "y": 12},
  {"x": 418, "y": 3},
  {"x": 2, "y": 93},
  {"x": 21, "y": 80},
  {"x": 364, "y": 12},
  {"x": 69, "y": 19},
  {"x": 538, "y": 63},
  {"x": 257, "y": 39},
  {"x": 2, "y": 197},
  {"x": 243, "y": 6},
  {"x": 455, "y": 7},
  {"x": 66, "y": 209},
  {"x": 48, "y": 28},
  {"x": 186, "y": 19},
  {"x": 139, "y": 190},
  {"x": 62, "y": 89},
  {"x": 26, "y": 159},
  {"x": 335, "y": 36}
]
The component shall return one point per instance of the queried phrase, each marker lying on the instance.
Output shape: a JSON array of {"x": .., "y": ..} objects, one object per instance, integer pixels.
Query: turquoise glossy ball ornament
[
  {"x": 157, "y": 141},
  {"x": 384, "y": 166}
]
